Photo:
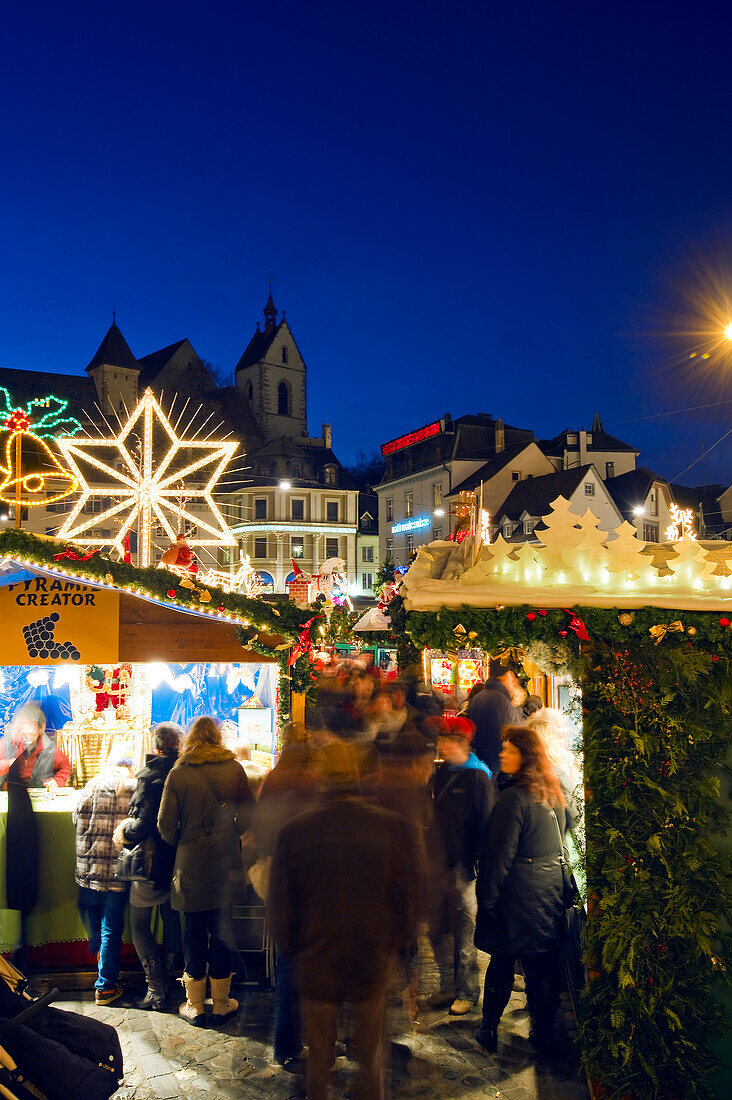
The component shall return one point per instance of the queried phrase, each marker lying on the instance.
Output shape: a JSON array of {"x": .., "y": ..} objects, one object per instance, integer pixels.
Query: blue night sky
[{"x": 465, "y": 207}]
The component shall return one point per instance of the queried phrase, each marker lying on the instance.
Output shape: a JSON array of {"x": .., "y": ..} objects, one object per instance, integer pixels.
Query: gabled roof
[
  {"x": 23, "y": 385},
  {"x": 152, "y": 364},
  {"x": 491, "y": 468},
  {"x": 114, "y": 351},
  {"x": 631, "y": 489},
  {"x": 258, "y": 347},
  {"x": 601, "y": 441},
  {"x": 535, "y": 495}
]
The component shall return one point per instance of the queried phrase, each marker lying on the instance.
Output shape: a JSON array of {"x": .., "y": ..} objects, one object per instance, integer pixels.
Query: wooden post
[{"x": 18, "y": 482}]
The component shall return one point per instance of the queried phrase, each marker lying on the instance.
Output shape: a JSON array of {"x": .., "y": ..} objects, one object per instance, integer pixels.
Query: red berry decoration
[
  {"x": 531, "y": 616},
  {"x": 724, "y": 622},
  {"x": 563, "y": 633},
  {"x": 171, "y": 593}
]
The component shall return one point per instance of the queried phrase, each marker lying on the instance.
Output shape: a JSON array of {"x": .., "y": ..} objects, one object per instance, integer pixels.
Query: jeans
[
  {"x": 207, "y": 940},
  {"x": 287, "y": 1042},
  {"x": 543, "y": 983},
  {"x": 319, "y": 1019},
  {"x": 458, "y": 967},
  {"x": 103, "y": 914},
  {"x": 142, "y": 936}
]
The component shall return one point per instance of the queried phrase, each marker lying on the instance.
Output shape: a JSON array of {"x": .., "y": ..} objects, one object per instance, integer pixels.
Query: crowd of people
[{"x": 384, "y": 819}]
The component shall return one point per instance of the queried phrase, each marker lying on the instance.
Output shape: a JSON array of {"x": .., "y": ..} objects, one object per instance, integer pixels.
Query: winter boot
[
  {"x": 192, "y": 1009},
  {"x": 155, "y": 996},
  {"x": 224, "y": 1006}
]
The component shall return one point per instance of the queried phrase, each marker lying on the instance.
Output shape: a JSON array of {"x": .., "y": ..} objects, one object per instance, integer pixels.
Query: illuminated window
[
  {"x": 437, "y": 494},
  {"x": 409, "y": 503},
  {"x": 260, "y": 548},
  {"x": 609, "y": 469},
  {"x": 330, "y": 475},
  {"x": 331, "y": 548},
  {"x": 297, "y": 546},
  {"x": 589, "y": 489},
  {"x": 260, "y": 508},
  {"x": 331, "y": 511},
  {"x": 390, "y": 508}
]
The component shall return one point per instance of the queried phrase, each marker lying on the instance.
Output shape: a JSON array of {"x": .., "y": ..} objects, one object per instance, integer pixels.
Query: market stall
[
  {"x": 106, "y": 665},
  {"x": 646, "y": 632}
]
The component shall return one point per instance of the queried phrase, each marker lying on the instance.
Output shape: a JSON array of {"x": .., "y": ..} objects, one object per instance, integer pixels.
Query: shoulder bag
[
  {"x": 569, "y": 886},
  {"x": 136, "y": 864}
]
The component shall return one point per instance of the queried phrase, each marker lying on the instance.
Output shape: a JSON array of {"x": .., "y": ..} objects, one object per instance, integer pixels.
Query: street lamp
[
  {"x": 286, "y": 485},
  {"x": 728, "y": 331},
  {"x": 638, "y": 510}
]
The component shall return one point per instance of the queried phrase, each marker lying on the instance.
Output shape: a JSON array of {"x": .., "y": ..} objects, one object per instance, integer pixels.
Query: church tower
[
  {"x": 115, "y": 373},
  {"x": 273, "y": 377}
]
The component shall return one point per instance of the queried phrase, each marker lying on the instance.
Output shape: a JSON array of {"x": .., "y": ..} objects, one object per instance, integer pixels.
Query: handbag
[
  {"x": 570, "y": 893},
  {"x": 136, "y": 864}
]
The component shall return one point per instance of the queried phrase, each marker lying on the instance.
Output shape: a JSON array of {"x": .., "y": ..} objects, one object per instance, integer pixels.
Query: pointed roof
[
  {"x": 270, "y": 313},
  {"x": 491, "y": 468},
  {"x": 114, "y": 351},
  {"x": 257, "y": 347},
  {"x": 152, "y": 364},
  {"x": 535, "y": 495}
]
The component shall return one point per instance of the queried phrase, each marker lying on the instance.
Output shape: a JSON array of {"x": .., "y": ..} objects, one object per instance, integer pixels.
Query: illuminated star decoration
[
  {"x": 681, "y": 525},
  {"x": 144, "y": 468},
  {"x": 40, "y": 419}
]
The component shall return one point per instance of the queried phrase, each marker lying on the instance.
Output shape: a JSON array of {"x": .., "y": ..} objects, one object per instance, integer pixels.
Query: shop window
[
  {"x": 260, "y": 548},
  {"x": 331, "y": 548},
  {"x": 331, "y": 511},
  {"x": 297, "y": 509},
  {"x": 260, "y": 508}
]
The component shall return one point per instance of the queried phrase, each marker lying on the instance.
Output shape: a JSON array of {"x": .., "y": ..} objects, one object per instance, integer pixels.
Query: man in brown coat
[{"x": 343, "y": 902}]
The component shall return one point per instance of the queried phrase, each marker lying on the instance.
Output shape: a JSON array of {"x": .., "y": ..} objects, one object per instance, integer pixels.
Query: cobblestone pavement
[{"x": 165, "y": 1057}]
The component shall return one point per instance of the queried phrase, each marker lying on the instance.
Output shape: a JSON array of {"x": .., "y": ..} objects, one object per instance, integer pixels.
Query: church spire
[{"x": 270, "y": 313}]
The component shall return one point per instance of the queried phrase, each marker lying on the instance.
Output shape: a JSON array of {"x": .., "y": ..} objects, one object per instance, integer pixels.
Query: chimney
[
  {"x": 326, "y": 435},
  {"x": 500, "y": 436}
]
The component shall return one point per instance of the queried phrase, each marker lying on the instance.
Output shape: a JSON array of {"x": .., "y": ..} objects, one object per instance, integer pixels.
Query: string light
[
  {"x": 144, "y": 493},
  {"x": 681, "y": 525},
  {"x": 24, "y": 421}
]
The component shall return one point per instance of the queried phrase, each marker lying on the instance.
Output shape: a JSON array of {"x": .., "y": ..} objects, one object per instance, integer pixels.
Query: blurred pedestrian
[
  {"x": 519, "y": 889},
  {"x": 342, "y": 904},
  {"x": 140, "y": 827},
  {"x": 463, "y": 798},
  {"x": 103, "y": 804},
  {"x": 206, "y": 806},
  {"x": 493, "y": 708},
  {"x": 39, "y": 762}
]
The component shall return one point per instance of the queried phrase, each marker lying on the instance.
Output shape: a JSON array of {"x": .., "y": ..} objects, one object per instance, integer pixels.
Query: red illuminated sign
[{"x": 408, "y": 440}]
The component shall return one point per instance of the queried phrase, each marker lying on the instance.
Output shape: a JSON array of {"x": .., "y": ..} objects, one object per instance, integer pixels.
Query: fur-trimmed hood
[{"x": 205, "y": 754}]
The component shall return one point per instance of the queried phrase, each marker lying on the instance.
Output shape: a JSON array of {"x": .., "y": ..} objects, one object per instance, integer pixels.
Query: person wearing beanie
[
  {"x": 493, "y": 708},
  {"x": 463, "y": 799}
]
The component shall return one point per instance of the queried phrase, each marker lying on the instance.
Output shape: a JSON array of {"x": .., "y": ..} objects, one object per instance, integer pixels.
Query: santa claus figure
[
  {"x": 179, "y": 557},
  {"x": 110, "y": 686}
]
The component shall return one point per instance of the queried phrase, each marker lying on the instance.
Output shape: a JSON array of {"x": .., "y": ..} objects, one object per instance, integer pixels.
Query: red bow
[
  {"x": 577, "y": 626},
  {"x": 72, "y": 555},
  {"x": 303, "y": 644}
]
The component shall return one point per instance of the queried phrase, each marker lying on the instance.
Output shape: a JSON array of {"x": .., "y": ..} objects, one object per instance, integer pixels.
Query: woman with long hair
[
  {"x": 519, "y": 888},
  {"x": 206, "y": 806}
]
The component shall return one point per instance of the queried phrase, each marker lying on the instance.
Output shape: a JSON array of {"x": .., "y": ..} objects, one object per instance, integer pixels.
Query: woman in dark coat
[
  {"x": 205, "y": 808},
  {"x": 141, "y": 823},
  {"x": 519, "y": 888}
]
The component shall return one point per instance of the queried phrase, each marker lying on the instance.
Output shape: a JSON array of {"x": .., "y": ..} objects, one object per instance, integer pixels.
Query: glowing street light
[
  {"x": 728, "y": 331},
  {"x": 286, "y": 485},
  {"x": 638, "y": 510}
]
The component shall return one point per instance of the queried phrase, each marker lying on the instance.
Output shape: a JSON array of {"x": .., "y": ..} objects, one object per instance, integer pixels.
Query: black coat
[
  {"x": 143, "y": 816},
  {"x": 519, "y": 887},
  {"x": 491, "y": 709},
  {"x": 464, "y": 798}
]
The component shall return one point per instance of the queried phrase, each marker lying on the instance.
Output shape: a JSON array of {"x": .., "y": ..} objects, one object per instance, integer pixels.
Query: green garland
[{"x": 657, "y": 728}]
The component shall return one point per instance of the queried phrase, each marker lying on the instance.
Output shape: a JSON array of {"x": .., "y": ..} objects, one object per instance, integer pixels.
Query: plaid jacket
[{"x": 103, "y": 804}]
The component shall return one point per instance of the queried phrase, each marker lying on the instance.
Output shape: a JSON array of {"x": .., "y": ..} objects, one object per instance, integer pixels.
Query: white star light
[{"x": 147, "y": 494}]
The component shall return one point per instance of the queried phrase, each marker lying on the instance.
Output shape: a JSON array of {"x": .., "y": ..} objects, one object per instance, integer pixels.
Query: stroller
[{"x": 49, "y": 1054}]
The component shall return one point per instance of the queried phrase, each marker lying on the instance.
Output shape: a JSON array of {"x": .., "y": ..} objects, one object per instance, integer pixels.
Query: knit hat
[
  {"x": 500, "y": 666},
  {"x": 458, "y": 728}
]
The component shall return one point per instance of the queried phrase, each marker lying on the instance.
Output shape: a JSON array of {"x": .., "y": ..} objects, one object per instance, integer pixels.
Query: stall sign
[{"x": 47, "y": 621}]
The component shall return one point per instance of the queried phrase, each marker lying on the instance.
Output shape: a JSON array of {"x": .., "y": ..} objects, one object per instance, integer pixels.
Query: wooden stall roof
[{"x": 152, "y": 632}]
